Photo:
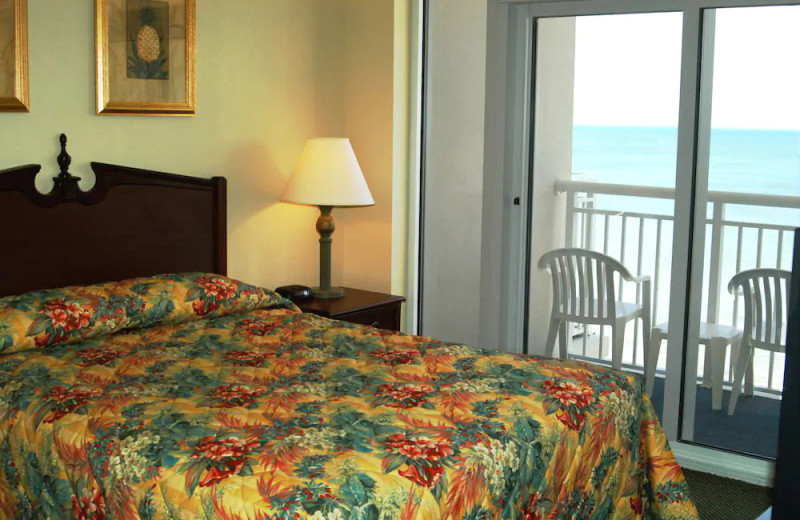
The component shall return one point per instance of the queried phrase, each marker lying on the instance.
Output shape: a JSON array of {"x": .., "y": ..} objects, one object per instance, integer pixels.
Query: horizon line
[{"x": 675, "y": 127}]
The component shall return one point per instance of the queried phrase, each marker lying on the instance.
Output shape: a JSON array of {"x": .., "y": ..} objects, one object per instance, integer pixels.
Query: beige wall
[
  {"x": 270, "y": 74},
  {"x": 365, "y": 242},
  {"x": 372, "y": 95}
]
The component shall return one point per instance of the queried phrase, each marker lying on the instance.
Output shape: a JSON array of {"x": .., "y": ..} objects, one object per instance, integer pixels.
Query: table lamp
[{"x": 327, "y": 175}]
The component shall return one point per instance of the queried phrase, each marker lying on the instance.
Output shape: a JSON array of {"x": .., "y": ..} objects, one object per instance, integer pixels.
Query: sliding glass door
[
  {"x": 749, "y": 158},
  {"x": 662, "y": 138}
]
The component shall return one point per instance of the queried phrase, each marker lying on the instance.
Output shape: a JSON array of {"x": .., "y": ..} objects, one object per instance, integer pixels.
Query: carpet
[{"x": 719, "y": 498}]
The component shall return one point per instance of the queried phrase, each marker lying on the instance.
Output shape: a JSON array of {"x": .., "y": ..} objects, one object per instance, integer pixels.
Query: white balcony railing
[{"x": 635, "y": 224}]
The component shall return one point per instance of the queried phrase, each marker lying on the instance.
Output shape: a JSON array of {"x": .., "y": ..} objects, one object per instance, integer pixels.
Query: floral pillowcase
[{"x": 55, "y": 316}]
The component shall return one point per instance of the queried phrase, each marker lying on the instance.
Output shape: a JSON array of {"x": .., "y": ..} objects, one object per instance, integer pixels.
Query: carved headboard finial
[
  {"x": 65, "y": 183},
  {"x": 64, "y": 159}
]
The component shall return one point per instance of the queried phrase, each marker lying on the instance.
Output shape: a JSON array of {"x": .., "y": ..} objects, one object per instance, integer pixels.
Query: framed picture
[
  {"x": 145, "y": 57},
  {"x": 14, "y": 56}
]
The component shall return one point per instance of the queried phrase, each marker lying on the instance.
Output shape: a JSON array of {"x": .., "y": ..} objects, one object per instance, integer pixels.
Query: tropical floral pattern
[
  {"x": 251, "y": 410},
  {"x": 50, "y": 317}
]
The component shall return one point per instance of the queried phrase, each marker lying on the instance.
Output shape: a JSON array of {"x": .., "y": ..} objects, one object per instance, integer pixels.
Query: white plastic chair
[
  {"x": 766, "y": 297},
  {"x": 584, "y": 292}
]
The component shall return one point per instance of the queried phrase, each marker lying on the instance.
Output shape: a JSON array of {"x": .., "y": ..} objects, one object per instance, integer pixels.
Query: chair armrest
[
  {"x": 641, "y": 279},
  {"x": 736, "y": 290}
]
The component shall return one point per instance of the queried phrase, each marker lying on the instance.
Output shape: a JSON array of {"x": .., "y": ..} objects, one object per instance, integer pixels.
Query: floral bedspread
[{"x": 261, "y": 412}]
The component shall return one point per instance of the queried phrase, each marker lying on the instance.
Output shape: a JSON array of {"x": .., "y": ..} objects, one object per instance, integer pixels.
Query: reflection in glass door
[{"x": 749, "y": 147}]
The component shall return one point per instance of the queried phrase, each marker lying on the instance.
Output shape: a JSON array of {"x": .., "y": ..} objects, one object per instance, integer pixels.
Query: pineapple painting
[{"x": 148, "y": 39}]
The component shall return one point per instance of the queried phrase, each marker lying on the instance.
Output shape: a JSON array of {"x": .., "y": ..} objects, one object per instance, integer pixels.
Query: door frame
[{"x": 508, "y": 149}]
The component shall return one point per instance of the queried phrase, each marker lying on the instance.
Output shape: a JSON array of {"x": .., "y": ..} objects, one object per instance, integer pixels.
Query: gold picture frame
[
  {"x": 14, "y": 56},
  {"x": 145, "y": 57}
]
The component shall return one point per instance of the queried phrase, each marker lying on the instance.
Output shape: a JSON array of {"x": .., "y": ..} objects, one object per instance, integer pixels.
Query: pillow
[{"x": 57, "y": 316}]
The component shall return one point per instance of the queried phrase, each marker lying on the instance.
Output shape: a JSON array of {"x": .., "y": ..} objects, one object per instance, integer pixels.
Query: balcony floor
[{"x": 753, "y": 428}]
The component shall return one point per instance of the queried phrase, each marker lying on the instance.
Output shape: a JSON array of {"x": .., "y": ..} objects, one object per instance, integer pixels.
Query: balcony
[
  {"x": 635, "y": 225},
  {"x": 642, "y": 240}
]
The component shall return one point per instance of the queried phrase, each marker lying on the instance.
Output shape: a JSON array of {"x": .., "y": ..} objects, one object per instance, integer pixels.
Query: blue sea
[
  {"x": 765, "y": 162},
  {"x": 744, "y": 161}
]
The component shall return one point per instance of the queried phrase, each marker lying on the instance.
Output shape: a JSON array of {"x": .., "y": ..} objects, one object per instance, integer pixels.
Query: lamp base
[{"x": 327, "y": 294}]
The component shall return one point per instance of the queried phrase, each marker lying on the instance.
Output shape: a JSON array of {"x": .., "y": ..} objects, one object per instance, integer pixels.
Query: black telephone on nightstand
[{"x": 294, "y": 292}]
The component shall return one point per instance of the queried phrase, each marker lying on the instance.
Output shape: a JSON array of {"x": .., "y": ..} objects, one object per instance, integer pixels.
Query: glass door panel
[
  {"x": 604, "y": 163},
  {"x": 750, "y": 144}
]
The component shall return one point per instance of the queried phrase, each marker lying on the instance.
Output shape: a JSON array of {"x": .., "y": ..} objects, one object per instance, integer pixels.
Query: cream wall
[
  {"x": 372, "y": 94},
  {"x": 404, "y": 98},
  {"x": 270, "y": 74},
  {"x": 365, "y": 234}
]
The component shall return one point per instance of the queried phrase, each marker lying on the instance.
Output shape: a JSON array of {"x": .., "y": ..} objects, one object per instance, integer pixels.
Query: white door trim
[
  {"x": 739, "y": 467},
  {"x": 415, "y": 151}
]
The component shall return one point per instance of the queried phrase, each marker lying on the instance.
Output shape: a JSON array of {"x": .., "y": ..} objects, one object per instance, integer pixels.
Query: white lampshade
[{"x": 328, "y": 174}]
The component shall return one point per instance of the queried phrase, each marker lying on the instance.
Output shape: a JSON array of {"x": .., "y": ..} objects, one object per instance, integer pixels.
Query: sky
[{"x": 627, "y": 69}]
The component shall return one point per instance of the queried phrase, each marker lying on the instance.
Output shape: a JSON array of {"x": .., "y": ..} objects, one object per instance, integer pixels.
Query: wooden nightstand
[{"x": 357, "y": 306}]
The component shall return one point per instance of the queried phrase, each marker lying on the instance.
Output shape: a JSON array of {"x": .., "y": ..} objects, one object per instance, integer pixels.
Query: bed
[{"x": 194, "y": 395}]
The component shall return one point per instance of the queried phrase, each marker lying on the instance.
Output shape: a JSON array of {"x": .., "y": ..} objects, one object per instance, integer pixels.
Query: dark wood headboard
[{"x": 132, "y": 223}]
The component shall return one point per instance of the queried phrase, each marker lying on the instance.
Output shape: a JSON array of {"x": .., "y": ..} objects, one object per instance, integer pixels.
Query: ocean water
[
  {"x": 764, "y": 162},
  {"x": 743, "y": 161}
]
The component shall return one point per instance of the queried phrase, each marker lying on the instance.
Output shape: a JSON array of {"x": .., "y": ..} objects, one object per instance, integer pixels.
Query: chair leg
[
  {"x": 748, "y": 376},
  {"x": 551, "y": 337},
  {"x": 707, "y": 364},
  {"x": 617, "y": 342},
  {"x": 741, "y": 366},
  {"x": 562, "y": 340},
  {"x": 602, "y": 345},
  {"x": 647, "y": 331},
  {"x": 736, "y": 345},
  {"x": 652, "y": 361},
  {"x": 718, "y": 349}
]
